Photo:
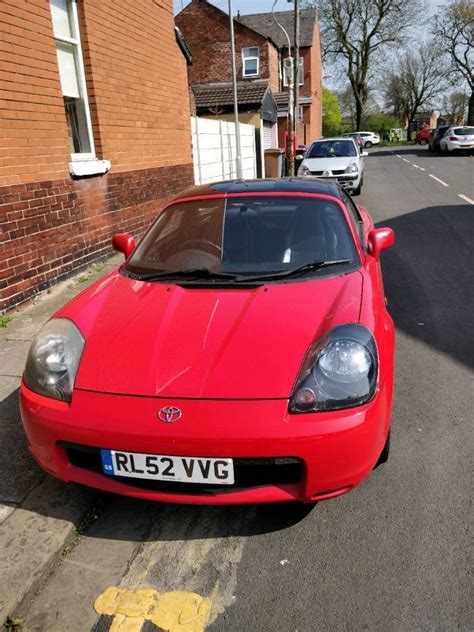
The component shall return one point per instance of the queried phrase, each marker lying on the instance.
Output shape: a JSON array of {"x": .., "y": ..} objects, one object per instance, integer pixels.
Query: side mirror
[
  {"x": 123, "y": 242},
  {"x": 299, "y": 157},
  {"x": 379, "y": 239},
  {"x": 364, "y": 153}
]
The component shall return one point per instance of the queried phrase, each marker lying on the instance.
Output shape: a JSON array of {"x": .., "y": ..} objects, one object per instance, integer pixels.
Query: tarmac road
[{"x": 395, "y": 553}]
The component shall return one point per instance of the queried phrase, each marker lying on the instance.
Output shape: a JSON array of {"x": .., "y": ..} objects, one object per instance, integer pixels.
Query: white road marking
[
  {"x": 398, "y": 155},
  {"x": 418, "y": 167},
  {"x": 465, "y": 198},
  {"x": 445, "y": 184},
  {"x": 405, "y": 160}
]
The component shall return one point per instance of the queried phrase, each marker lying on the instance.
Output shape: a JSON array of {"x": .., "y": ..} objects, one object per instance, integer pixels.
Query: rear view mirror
[
  {"x": 365, "y": 153},
  {"x": 123, "y": 242},
  {"x": 299, "y": 157},
  {"x": 379, "y": 239}
]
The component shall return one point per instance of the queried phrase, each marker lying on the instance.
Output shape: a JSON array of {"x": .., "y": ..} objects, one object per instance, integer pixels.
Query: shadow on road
[
  {"x": 416, "y": 150},
  {"x": 429, "y": 278}
]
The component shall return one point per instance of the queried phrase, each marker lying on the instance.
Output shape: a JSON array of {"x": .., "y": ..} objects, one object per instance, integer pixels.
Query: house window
[
  {"x": 250, "y": 62},
  {"x": 300, "y": 73},
  {"x": 71, "y": 74}
]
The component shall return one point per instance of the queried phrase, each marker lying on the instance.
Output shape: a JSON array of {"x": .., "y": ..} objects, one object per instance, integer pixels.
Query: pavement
[
  {"x": 38, "y": 515},
  {"x": 394, "y": 554}
]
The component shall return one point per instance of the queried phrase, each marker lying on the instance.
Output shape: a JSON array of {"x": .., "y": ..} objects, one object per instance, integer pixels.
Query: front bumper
[
  {"x": 337, "y": 449},
  {"x": 347, "y": 181}
]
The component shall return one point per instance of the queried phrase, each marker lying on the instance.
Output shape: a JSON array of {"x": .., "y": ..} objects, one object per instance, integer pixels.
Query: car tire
[
  {"x": 368, "y": 144},
  {"x": 383, "y": 458},
  {"x": 358, "y": 190},
  {"x": 423, "y": 141}
]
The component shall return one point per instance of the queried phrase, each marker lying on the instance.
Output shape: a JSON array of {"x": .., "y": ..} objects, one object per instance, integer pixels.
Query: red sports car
[{"x": 243, "y": 353}]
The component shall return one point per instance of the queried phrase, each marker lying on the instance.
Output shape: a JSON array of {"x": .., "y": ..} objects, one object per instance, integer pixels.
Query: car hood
[
  {"x": 155, "y": 339},
  {"x": 329, "y": 164}
]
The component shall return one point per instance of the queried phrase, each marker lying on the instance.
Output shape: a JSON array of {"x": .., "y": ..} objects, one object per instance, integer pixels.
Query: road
[{"x": 394, "y": 554}]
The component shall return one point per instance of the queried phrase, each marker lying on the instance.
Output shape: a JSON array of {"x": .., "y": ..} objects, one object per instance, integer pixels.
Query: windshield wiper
[
  {"x": 191, "y": 273},
  {"x": 307, "y": 267}
]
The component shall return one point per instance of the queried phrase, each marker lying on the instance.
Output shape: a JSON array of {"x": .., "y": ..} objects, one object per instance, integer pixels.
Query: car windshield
[
  {"x": 464, "y": 131},
  {"x": 220, "y": 238},
  {"x": 332, "y": 148}
]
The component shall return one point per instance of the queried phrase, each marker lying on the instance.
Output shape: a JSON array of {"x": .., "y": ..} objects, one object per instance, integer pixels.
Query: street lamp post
[
  {"x": 289, "y": 70},
  {"x": 238, "y": 156}
]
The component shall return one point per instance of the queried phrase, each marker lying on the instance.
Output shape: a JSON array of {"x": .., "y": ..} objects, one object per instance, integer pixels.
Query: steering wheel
[{"x": 197, "y": 243}]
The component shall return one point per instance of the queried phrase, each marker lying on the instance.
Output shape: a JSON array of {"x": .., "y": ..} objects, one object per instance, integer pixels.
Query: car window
[
  {"x": 332, "y": 148},
  {"x": 245, "y": 235},
  {"x": 354, "y": 214},
  {"x": 464, "y": 131}
]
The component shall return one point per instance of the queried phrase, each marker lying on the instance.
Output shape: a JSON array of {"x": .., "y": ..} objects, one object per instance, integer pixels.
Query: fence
[{"x": 214, "y": 150}]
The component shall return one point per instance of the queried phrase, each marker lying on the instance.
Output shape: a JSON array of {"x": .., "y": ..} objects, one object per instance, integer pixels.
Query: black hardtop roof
[{"x": 277, "y": 185}]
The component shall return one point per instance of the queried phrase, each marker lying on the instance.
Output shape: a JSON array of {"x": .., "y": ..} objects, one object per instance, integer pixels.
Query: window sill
[{"x": 83, "y": 168}]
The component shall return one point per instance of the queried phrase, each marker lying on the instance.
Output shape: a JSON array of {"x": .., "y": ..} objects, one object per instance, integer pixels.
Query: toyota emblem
[{"x": 169, "y": 414}]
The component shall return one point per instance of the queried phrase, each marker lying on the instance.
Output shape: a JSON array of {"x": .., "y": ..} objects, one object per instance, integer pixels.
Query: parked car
[
  {"x": 301, "y": 150},
  {"x": 423, "y": 136},
  {"x": 457, "y": 138},
  {"x": 243, "y": 353},
  {"x": 438, "y": 134},
  {"x": 357, "y": 138},
  {"x": 335, "y": 159},
  {"x": 367, "y": 139}
]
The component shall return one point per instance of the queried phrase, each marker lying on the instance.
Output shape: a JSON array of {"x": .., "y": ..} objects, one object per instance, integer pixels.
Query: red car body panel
[
  {"x": 171, "y": 341},
  {"x": 229, "y": 359}
]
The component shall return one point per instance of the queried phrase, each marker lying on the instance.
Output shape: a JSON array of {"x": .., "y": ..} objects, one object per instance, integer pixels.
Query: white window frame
[
  {"x": 76, "y": 42},
  {"x": 244, "y": 59},
  {"x": 300, "y": 73}
]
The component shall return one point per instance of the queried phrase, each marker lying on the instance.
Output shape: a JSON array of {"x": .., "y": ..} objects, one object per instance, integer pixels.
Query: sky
[
  {"x": 261, "y": 6},
  {"x": 244, "y": 6}
]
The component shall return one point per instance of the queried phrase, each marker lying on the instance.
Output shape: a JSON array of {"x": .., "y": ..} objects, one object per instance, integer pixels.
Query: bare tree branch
[{"x": 355, "y": 31}]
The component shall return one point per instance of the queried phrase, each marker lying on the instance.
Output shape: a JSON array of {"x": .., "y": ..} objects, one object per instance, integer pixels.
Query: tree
[
  {"x": 382, "y": 123},
  {"x": 455, "y": 30},
  {"x": 331, "y": 113},
  {"x": 356, "y": 31},
  {"x": 421, "y": 78},
  {"x": 454, "y": 106}
]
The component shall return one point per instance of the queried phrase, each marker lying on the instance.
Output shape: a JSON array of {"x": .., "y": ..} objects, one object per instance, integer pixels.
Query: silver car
[{"x": 337, "y": 159}]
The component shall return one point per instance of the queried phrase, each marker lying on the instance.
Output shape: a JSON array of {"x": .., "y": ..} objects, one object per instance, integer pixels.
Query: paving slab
[
  {"x": 9, "y": 402},
  {"x": 13, "y": 355},
  {"x": 33, "y": 537},
  {"x": 19, "y": 474},
  {"x": 98, "y": 561}
]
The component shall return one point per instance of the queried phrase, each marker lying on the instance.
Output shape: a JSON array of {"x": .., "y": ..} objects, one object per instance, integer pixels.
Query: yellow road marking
[{"x": 172, "y": 611}]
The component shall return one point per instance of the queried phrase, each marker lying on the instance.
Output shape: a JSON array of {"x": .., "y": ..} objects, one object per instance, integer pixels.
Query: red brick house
[
  {"x": 94, "y": 131},
  {"x": 260, "y": 48}
]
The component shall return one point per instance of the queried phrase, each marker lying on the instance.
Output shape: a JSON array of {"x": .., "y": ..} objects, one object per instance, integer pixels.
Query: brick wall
[
  {"x": 206, "y": 30},
  {"x": 138, "y": 94}
]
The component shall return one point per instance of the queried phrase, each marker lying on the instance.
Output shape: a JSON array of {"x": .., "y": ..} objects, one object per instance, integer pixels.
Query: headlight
[
  {"x": 304, "y": 171},
  {"x": 352, "y": 168},
  {"x": 339, "y": 371},
  {"x": 53, "y": 359}
]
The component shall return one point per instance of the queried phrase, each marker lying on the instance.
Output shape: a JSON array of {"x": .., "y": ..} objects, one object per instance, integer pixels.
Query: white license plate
[{"x": 159, "y": 467}]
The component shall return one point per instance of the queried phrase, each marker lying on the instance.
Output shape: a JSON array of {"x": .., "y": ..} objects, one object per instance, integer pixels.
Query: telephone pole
[{"x": 297, "y": 65}]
